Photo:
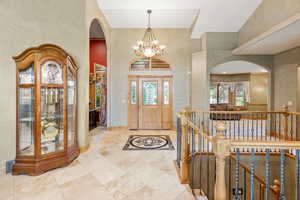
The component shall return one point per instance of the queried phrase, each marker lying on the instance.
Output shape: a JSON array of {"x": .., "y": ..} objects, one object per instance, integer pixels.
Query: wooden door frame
[{"x": 132, "y": 117}]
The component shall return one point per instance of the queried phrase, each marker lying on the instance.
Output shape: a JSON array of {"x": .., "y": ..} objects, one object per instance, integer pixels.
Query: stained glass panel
[
  {"x": 150, "y": 92},
  {"x": 26, "y": 121},
  {"x": 52, "y": 73},
  {"x": 133, "y": 92},
  {"x": 52, "y": 120},
  {"x": 26, "y": 76},
  {"x": 166, "y": 92}
]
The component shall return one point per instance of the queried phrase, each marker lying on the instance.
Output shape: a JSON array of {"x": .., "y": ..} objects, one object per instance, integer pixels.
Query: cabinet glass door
[
  {"x": 71, "y": 108},
  {"x": 52, "y": 119},
  {"x": 26, "y": 121}
]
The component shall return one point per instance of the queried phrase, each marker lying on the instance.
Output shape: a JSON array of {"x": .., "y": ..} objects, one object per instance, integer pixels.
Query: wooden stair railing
[{"x": 212, "y": 132}]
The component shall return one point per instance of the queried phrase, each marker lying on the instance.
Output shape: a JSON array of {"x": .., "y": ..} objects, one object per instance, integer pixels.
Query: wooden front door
[{"x": 150, "y": 102}]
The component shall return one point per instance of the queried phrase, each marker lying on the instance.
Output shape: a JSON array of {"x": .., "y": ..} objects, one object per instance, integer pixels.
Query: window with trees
[{"x": 232, "y": 93}]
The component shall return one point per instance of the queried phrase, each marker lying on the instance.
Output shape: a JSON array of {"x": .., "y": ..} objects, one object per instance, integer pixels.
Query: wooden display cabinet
[{"x": 46, "y": 110}]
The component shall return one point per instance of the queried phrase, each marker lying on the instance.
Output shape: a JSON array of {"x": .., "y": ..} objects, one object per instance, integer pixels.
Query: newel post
[
  {"x": 184, "y": 165},
  {"x": 221, "y": 147},
  {"x": 286, "y": 121}
]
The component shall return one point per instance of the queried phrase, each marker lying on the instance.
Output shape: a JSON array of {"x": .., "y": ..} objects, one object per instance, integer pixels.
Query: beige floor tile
[
  {"x": 145, "y": 193},
  {"x": 6, "y": 186},
  {"x": 85, "y": 187},
  {"x": 69, "y": 173},
  {"x": 38, "y": 188},
  {"x": 105, "y": 172},
  {"x": 125, "y": 185}
]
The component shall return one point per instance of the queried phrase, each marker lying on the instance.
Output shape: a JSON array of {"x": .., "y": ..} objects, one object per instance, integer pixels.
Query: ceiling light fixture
[{"x": 149, "y": 46}]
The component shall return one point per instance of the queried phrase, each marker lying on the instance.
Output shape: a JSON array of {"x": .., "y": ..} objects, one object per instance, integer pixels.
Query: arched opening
[
  {"x": 239, "y": 85},
  {"x": 98, "y": 76}
]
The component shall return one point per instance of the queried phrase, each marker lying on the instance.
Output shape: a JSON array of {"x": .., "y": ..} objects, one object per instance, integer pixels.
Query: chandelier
[{"x": 149, "y": 46}]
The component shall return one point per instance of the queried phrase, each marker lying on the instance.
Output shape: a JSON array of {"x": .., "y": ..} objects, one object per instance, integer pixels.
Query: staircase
[{"x": 239, "y": 155}]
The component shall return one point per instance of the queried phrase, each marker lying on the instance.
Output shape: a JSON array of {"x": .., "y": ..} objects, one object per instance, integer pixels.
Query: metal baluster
[
  {"x": 193, "y": 140},
  {"x": 261, "y": 125},
  {"x": 256, "y": 126},
  {"x": 266, "y": 128},
  {"x": 279, "y": 131},
  {"x": 291, "y": 130},
  {"x": 282, "y": 174},
  {"x": 243, "y": 128},
  {"x": 237, "y": 175},
  {"x": 212, "y": 123},
  {"x": 252, "y": 129},
  {"x": 267, "y": 168},
  {"x": 229, "y": 193},
  {"x": 178, "y": 141},
  {"x": 230, "y": 119},
  {"x": 200, "y": 170},
  {"x": 297, "y": 195},
  {"x": 239, "y": 128},
  {"x": 207, "y": 172},
  {"x": 193, "y": 170},
  {"x": 245, "y": 184},
  {"x": 234, "y": 122},
  {"x": 224, "y": 121},
  {"x": 200, "y": 133},
  {"x": 252, "y": 171}
]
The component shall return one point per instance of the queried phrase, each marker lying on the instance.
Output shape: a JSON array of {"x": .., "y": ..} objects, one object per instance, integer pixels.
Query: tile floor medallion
[
  {"x": 149, "y": 142},
  {"x": 105, "y": 172}
]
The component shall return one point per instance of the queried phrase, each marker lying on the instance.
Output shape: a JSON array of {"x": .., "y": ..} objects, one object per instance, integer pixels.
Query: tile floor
[{"x": 104, "y": 172}]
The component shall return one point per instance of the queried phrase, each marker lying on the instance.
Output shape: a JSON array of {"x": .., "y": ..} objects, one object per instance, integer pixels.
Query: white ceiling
[
  {"x": 280, "y": 38},
  {"x": 236, "y": 67},
  {"x": 159, "y": 18},
  {"x": 214, "y": 15}
]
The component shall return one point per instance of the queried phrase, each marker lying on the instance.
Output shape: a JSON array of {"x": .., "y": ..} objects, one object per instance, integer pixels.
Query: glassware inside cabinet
[{"x": 52, "y": 119}]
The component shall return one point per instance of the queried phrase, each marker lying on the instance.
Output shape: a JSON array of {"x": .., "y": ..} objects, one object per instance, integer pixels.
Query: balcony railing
[{"x": 239, "y": 155}]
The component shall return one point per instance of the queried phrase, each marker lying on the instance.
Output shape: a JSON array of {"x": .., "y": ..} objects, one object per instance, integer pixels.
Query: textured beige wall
[
  {"x": 199, "y": 88},
  {"x": 28, "y": 23},
  {"x": 178, "y": 54},
  {"x": 217, "y": 49},
  {"x": 267, "y": 15},
  {"x": 259, "y": 88},
  {"x": 285, "y": 78}
]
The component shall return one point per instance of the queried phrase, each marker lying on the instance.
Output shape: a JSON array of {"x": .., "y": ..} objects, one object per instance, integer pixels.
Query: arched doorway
[
  {"x": 97, "y": 77},
  {"x": 239, "y": 85}
]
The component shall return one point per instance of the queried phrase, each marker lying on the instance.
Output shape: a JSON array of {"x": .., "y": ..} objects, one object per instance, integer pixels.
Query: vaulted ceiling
[{"x": 200, "y": 15}]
